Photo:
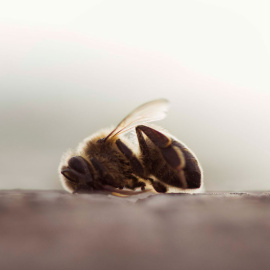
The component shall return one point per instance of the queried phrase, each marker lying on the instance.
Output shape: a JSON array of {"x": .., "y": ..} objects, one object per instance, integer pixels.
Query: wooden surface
[{"x": 56, "y": 230}]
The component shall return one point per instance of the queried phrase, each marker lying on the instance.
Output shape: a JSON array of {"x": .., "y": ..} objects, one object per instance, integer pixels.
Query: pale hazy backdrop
[{"x": 69, "y": 68}]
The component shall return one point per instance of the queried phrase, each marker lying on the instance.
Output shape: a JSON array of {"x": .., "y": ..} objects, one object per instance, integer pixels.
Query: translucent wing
[{"x": 148, "y": 112}]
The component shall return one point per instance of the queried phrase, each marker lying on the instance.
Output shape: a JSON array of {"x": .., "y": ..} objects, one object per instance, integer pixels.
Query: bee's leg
[
  {"x": 171, "y": 154},
  {"x": 135, "y": 183},
  {"x": 134, "y": 162},
  {"x": 159, "y": 187},
  {"x": 142, "y": 143}
]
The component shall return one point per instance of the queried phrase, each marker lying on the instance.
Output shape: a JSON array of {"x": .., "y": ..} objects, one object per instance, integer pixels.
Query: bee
[{"x": 108, "y": 162}]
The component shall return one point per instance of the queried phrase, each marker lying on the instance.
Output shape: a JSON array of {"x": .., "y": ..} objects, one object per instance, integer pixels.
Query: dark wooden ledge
[{"x": 56, "y": 230}]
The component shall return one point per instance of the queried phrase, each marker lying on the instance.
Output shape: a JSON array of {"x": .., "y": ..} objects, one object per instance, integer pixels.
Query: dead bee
[{"x": 107, "y": 162}]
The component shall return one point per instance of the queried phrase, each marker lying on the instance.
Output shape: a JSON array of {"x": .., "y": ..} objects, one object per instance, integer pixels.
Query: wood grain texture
[{"x": 57, "y": 230}]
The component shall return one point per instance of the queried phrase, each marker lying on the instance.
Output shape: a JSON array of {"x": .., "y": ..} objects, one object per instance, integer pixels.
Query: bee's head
[{"x": 77, "y": 175}]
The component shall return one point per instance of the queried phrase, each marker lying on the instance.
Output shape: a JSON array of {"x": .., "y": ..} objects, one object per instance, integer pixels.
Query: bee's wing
[{"x": 148, "y": 112}]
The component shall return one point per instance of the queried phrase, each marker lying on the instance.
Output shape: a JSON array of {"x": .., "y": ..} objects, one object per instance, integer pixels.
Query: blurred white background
[{"x": 69, "y": 68}]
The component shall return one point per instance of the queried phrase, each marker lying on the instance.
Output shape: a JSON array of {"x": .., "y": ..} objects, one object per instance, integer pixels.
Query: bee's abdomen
[{"x": 192, "y": 169}]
